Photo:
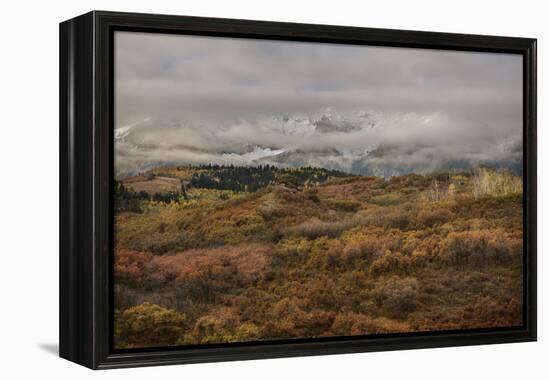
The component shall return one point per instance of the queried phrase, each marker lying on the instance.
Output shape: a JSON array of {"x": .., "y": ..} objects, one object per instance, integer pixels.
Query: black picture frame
[{"x": 86, "y": 171}]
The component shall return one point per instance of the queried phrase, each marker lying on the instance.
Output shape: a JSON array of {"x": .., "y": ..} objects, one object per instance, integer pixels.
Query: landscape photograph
[{"x": 272, "y": 190}]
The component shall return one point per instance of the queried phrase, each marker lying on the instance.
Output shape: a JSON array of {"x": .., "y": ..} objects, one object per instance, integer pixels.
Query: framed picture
[{"x": 236, "y": 189}]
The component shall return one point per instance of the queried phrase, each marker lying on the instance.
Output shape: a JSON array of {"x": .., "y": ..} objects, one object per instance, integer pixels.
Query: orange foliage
[
  {"x": 130, "y": 266},
  {"x": 351, "y": 256}
]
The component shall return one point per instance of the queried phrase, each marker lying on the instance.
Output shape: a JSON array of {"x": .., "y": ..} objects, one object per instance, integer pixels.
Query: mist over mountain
[
  {"x": 359, "y": 143},
  {"x": 359, "y": 109}
]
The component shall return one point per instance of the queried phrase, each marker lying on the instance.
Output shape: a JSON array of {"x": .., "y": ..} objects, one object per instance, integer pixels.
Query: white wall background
[{"x": 29, "y": 187}]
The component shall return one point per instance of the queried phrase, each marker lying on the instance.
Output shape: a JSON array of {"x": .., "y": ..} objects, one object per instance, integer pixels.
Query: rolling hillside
[{"x": 265, "y": 253}]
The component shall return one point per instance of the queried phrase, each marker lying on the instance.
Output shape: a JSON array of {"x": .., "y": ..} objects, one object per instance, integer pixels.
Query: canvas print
[{"x": 275, "y": 190}]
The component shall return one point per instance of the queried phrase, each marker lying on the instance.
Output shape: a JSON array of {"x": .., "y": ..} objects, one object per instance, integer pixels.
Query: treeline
[
  {"x": 222, "y": 177},
  {"x": 128, "y": 200},
  {"x": 252, "y": 178}
]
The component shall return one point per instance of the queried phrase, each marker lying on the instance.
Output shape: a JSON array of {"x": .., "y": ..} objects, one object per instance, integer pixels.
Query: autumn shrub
[
  {"x": 287, "y": 194},
  {"x": 397, "y": 296},
  {"x": 286, "y": 318},
  {"x": 322, "y": 292},
  {"x": 270, "y": 208},
  {"x": 291, "y": 251},
  {"x": 346, "y": 205},
  {"x": 382, "y": 325},
  {"x": 400, "y": 217},
  {"x": 312, "y": 196},
  {"x": 416, "y": 239},
  {"x": 130, "y": 267},
  {"x": 459, "y": 246},
  {"x": 386, "y": 217},
  {"x": 314, "y": 228},
  {"x": 386, "y": 199},
  {"x": 221, "y": 325},
  {"x": 396, "y": 218},
  {"x": 148, "y": 325},
  {"x": 369, "y": 243},
  {"x": 490, "y": 312},
  {"x": 289, "y": 319},
  {"x": 201, "y": 274},
  {"x": 433, "y": 217},
  {"x": 324, "y": 254},
  {"x": 348, "y": 323},
  {"x": 481, "y": 247},
  {"x": 352, "y": 251},
  {"x": 157, "y": 242},
  {"x": 505, "y": 248},
  {"x": 419, "y": 258},
  {"x": 391, "y": 262},
  {"x": 237, "y": 264}
]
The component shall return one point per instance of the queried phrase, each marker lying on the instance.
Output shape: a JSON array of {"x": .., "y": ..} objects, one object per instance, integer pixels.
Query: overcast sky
[{"x": 190, "y": 99}]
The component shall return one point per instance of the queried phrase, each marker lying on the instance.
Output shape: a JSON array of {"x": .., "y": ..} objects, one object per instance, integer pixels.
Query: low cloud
[{"x": 189, "y": 99}]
